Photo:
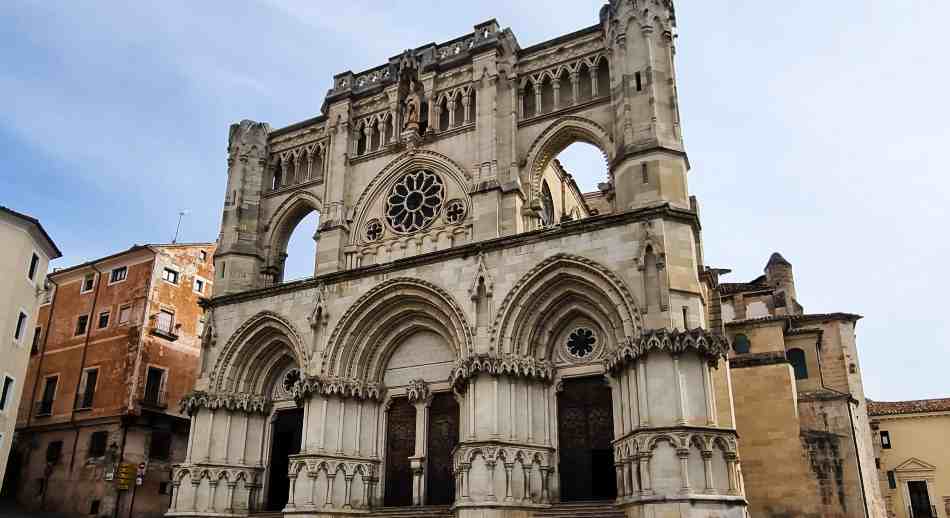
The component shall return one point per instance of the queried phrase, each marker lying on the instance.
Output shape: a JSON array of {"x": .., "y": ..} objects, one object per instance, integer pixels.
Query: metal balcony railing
[
  {"x": 43, "y": 408},
  {"x": 155, "y": 398}
]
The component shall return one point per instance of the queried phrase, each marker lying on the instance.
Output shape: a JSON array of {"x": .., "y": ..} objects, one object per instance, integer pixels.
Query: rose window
[
  {"x": 455, "y": 211},
  {"x": 414, "y": 201},
  {"x": 581, "y": 342},
  {"x": 374, "y": 230}
]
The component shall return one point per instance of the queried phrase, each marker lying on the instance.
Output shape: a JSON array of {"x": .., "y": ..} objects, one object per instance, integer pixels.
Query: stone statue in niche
[{"x": 413, "y": 105}]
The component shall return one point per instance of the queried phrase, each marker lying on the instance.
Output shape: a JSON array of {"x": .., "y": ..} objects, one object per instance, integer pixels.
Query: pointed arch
[
  {"x": 282, "y": 224},
  {"x": 561, "y": 287},
  {"x": 373, "y": 326},
  {"x": 556, "y": 137},
  {"x": 256, "y": 351}
]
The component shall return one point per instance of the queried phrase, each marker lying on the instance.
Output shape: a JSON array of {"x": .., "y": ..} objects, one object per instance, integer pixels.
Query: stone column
[{"x": 707, "y": 470}]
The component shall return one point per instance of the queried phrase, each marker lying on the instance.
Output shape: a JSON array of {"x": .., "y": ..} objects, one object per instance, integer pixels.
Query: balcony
[
  {"x": 156, "y": 399},
  {"x": 165, "y": 328},
  {"x": 43, "y": 408}
]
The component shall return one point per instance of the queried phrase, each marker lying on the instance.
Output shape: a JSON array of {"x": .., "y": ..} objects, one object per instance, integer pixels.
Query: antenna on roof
[{"x": 181, "y": 214}]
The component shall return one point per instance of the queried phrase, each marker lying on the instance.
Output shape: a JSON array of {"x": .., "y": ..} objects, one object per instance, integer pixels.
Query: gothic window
[
  {"x": 741, "y": 344},
  {"x": 291, "y": 171},
  {"x": 388, "y": 137},
  {"x": 471, "y": 106},
  {"x": 278, "y": 174},
  {"x": 455, "y": 211},
  {"x": 304, "y": 161},
  {"x": 603, "y": 77},
  {"x": 414, "y": 201},
  {"x": 459, "y": 111},
  {"x": 360, "y": 141},
  {"x": 374, "y": 230},
  {"x": 374, "y": 137},
  {"x": 316, "y": 167},
  {"x": 530, "y": 108},
  {"x": 584, "y": 88},
  {"x": 547, "y": 205},
  {"x": 547, "y": 95},
  {"x": 797, "y": 358},
  {"x": 581, "y": 342},
  {"x": 565, "y": 91},
  {"x": 444, "y": 114}
]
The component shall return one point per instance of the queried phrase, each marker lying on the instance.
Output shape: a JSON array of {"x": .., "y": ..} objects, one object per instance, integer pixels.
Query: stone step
[
  {"x": 581, "y": 510},
  {"x": 427, "y": 511}
]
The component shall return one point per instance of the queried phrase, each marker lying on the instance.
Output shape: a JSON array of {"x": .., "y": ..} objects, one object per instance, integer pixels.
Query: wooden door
[
  {"x": 443, "y": 436},
  {"x": 400, "y": 445},
  {"x": 285, "y": 441},
  {"x": 585, "y": 434}
]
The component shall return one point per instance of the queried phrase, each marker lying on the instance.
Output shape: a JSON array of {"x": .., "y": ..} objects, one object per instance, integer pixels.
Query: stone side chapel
[{"x": 478, "y": 333}]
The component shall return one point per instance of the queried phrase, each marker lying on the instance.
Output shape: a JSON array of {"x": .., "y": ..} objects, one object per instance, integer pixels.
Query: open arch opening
[{"x": 293, "y": 241}]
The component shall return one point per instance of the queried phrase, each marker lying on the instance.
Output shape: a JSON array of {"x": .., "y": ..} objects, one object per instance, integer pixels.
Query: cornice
[{"x": 711, "y": 347}]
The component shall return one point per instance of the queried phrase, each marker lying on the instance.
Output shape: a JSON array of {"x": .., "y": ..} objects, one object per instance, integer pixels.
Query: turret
[
  {"x": 238, "y": 259},
  {"x": 778, "y": 274},
  {"x": 651, "y": 164}
]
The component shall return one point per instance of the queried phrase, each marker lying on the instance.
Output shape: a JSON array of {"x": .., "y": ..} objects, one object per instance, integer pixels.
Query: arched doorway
[
  {"x": 286, "y": 431},
  {"x": 585, "y": 434},
  {"x": 400, "y": 445},
  {"x": 442, "y": 438}
]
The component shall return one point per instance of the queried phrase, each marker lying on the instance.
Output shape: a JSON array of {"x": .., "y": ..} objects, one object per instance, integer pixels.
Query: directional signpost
[{"x": 125, "y": 476}]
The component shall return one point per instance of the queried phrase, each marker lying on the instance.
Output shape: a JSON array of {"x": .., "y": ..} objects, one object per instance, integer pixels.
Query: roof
[
  {"x": 731, "y": 288},
  {"x": 777, "y": 259},
  {"x": 33, "y": 221},
  {"x": 919, "y": 406},
  {"x": 792, "y": 319},
  {"x": 133, "y": 248}
]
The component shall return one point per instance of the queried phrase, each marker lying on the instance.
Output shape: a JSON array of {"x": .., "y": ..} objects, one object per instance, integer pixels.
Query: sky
[{"x": 817, "y": 129}]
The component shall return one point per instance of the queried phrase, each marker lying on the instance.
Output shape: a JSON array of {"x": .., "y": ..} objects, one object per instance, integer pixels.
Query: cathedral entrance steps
[
  {"x": 425, "y": 511},
  {"x": 595, "y": 509}
]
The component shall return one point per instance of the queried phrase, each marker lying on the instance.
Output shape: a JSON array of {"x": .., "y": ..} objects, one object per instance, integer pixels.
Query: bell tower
[{"x": 651, "y": 163}]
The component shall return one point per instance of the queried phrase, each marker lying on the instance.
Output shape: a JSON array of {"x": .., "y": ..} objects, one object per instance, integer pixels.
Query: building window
[
  {"x": 81, "y": 324},
  {"x": 34, "y": 263},
  {"x": 644, "y": 173},
  {"x": 885, "y": 440},
  {"x": 53, "y": 451},
  {"x": 45, "y": 406},
  {"x": 88, "y": 283},
  {"x": 103, "y": 320},
  {"x": 163, "y": 488},
  {"x": 891, "y": 480},
  {"x": 741, "y": 344},
  {"x": 94, "y": 508},
  {"x": 204, "y": 256},
  {"x": 35, "y": 346},
  {"x": 223, "y": 267},
  {"x": 547, "y": 205},
  {"x": 155, "y": 386},
  {"x": 199, "y": 285},
  {"x": 169, "y": 275},
  {"x": 87, "y": 386},
  {"x": 125, "y": 312},
  {"x": 166, "y": 319},
  {"x": 118, "y": 274},
  {"x": 797, "y": 358},
  {"x": 877, "y": 463},
  {"x": 97, "y": 444},
  {"x": 639, "y": 79},
  {"x": 160, "y": 446},
  {"x": 581, "y": 342},
  {"x": 6, "y": 393},
  {"x": 20, "y": 324}
]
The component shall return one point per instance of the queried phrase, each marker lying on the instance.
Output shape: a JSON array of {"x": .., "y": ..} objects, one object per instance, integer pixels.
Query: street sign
[{"x": 125, "y": 476}]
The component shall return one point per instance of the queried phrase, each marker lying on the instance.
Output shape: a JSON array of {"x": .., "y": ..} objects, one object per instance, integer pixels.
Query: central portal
[
  {"x": 443, "y": 437},
  {"x": 285, "y": 441},
  {"x": 400, "y": 445},
  {"x": 585, "y": 434}
]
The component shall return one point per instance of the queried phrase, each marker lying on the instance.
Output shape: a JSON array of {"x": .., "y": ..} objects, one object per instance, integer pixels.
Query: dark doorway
[
  {"x": 920, "y": 500},
  {"x": 400, "y": 445},
  {"x": 442, "y": 438},
  {"x": 585, "y": 433},
  {"x": 285, "y": 441}
]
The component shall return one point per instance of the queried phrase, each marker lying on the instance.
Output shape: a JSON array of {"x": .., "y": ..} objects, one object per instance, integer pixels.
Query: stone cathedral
[{"x": 480, "y": 338}]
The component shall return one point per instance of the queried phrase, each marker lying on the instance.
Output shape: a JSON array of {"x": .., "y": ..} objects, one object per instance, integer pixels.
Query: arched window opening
[
  {"x": 291, "y": 175},
  {"x": 586, "y": 165},
  {"x": 304, "y": 169},
  {"x": 584, "y": 85},
  {"x": 374, "y": 137},
  {"x": 741, "y": 344},
  {"x": 565, "y": 90},
  {"x": 651, "y": 279},
  {"x": 471, "y": 106},
  {"x": 530, "y": 102},
  {"x": 459, "y": 111},
  {"x": 603, "y": 78},
  {"x": 547, "y": 95},
  {"x": 799, "y": 363},
  {"x": 388, "y": 137},
  {"x": 278, "y": 175},
  {"x": 360, "y": 141},
  {"x": 547, "y": 205},
  {"x": 316, "y": 166},
  {"x": 444, "y": 114},
  {"x": 299, "y": 254}
]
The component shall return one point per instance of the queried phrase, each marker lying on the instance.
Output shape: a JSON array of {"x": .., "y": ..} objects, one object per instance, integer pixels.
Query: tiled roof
[
  {"x": 819, "y": 317},
  {"x": 919, "y": 406},
  {"x": 730, "y": 288}
]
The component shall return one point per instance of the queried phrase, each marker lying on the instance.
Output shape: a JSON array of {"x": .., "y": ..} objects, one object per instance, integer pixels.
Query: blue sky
[{"x": 814, "y": 128}]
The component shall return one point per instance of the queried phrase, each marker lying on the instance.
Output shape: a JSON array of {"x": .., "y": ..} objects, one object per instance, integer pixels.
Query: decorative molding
[
  {"x": 514, "y": 366},
  {"x": 418, "y": 391},
  {"x": 232, "y": 401},
  {"x": 344, "y": 388},
  {"x": 706, "y": 344}
]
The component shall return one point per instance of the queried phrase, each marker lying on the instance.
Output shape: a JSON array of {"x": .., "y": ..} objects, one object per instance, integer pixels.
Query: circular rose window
[
  {"x": 414, "y": 201},
  {"x": 581, "y": 342}
]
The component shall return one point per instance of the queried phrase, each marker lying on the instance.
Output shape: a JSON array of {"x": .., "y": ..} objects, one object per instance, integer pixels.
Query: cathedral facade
[{"x": 479, "y": 338}]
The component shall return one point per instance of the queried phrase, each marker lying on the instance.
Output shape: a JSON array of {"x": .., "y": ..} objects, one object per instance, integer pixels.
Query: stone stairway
[
  {"x": 597, "y": 509},
  {"x": 427, "y": 511}
]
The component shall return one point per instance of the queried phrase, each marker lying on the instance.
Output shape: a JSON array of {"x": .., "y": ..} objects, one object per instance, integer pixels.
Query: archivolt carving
[
  {"x": 515, "y": 366},
  {"x": 706, "y": 344},
  {"x": 563, "y": 132},
  {"x": 232, "y": 401},
  {"x": 371, "y": 327},
  {"x": 583, "y": 284},
  {"x": 249, "y": 339},
  {"x": 336, "y": 387}
]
